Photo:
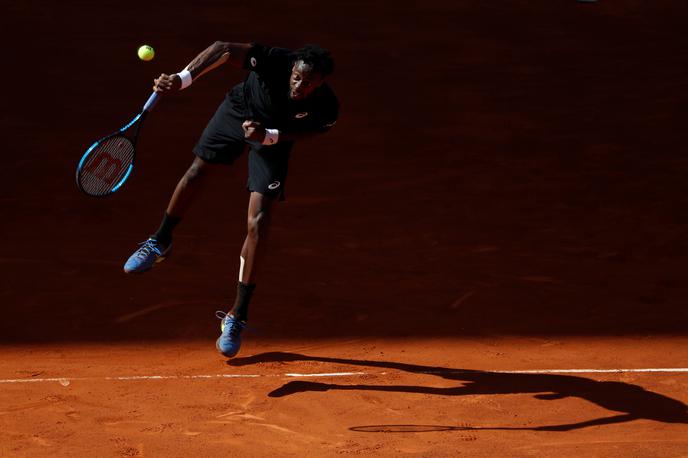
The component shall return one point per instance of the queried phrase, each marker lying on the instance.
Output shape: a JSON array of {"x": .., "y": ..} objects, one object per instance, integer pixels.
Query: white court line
[
  {"x": 331, "y": 374},
  {"x": 177, "y": 377},
  {"x": 598, "y": 371},
  {"x": 67, "y": 380},
  {"x": 569, "y": 371}
]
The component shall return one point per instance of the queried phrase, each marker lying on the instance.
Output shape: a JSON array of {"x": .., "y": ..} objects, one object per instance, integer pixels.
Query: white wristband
[
  {"x": 271, "y": 136},
  {"x": 185, "y": 76}
]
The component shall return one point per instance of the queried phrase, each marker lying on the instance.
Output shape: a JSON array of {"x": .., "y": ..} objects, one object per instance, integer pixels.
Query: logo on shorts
[
  {"x": 254, "y": 62},
  {"x": 301, "y": 115},
  {"x": 274, "y": 185}
]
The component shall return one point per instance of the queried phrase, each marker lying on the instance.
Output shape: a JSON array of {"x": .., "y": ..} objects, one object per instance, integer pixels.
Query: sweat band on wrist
[
  {"x": 271, "y": 136},
  {"x": 185, "y": 76}
]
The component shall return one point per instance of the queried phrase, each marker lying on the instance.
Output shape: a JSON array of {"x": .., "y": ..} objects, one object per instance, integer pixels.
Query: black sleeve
[
  {"x": 320, "y": 116},
  {"x": 329, "y": 118},
  {"x": 329, "y": 113},
  {"x": 266, "y": 60}
]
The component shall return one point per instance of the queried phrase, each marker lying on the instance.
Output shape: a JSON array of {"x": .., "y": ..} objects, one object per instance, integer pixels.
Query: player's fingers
[
  {"x": 162, "y": 86},
  {"x": 163, "y": 81}
]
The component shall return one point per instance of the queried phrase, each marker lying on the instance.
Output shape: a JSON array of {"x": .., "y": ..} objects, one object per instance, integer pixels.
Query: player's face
[{"x": 303, "y": 81}]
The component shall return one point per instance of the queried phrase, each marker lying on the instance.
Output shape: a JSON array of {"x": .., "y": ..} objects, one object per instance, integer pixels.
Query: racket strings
[{"x": 107, "y": 165}]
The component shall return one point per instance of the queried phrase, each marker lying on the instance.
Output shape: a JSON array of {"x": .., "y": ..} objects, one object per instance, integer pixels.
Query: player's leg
[
  {"x": 159, "y": 245},
  {"x": 260, "y": 209},
  {"x": 184, "y": 195},
  {"x": 267, "y": 174},
  {"x": 222, "y": 142}
]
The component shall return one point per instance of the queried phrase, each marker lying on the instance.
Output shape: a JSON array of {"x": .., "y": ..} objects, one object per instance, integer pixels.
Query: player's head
[{"x": 312, "y": 64}]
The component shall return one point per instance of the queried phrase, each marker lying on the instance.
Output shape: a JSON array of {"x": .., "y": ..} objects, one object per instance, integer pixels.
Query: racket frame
[{"x": 138, "y": 120}]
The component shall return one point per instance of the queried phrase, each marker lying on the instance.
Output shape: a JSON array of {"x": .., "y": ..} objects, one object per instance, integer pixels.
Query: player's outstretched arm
[
  {"x": 209, "y": 59},
  {"x": 217, "y": 54}
]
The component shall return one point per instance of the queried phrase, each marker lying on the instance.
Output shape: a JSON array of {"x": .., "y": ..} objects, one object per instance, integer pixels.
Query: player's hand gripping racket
[{"x": 107, "y": 164}]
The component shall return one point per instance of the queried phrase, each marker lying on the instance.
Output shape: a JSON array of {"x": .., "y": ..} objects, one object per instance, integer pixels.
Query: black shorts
[{"x": 222, "y": 142}]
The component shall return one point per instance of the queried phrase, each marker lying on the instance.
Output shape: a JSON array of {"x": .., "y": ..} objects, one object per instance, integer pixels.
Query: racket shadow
[{"x": 626, "y": 401}]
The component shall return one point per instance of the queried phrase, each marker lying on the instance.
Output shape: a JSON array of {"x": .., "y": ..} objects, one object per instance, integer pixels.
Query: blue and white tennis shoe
[
  {"x": 230, "y": 341},
  {"x": 149, "y": 253}
]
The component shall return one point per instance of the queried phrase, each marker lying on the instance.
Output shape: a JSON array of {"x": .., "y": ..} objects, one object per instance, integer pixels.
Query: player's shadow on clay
[{"x": 632, "y": 401}]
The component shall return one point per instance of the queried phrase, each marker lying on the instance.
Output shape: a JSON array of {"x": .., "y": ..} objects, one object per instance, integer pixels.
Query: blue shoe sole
[
  {"x": 228, "y": 355},
  {"x": 140, "y": 271},
  {"x": 159, "y": 259}
]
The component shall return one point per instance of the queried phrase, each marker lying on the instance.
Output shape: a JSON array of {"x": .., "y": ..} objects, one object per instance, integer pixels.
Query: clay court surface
[{"x": 486, "y": 257}]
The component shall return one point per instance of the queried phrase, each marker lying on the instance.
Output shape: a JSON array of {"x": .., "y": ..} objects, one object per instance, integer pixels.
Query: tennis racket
[{"x": 107, "y": 164}]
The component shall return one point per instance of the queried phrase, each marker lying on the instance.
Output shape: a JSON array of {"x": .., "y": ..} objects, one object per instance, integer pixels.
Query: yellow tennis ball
[{"x": 146, "y": 53}]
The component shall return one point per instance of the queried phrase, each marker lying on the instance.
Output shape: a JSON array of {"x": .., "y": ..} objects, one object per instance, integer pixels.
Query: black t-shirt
[{"x": 264, "y": 95}]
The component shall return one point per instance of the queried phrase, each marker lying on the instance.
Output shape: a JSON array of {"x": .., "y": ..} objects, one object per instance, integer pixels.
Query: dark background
[{"x": 512, "y": 167}]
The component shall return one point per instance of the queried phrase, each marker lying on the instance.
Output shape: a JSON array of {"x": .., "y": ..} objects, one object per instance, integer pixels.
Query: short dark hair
[{"x": 317, "y": 57}]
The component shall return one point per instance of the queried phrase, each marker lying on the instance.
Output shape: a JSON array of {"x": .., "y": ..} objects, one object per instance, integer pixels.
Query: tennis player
[{"x": 284, "y": 98}]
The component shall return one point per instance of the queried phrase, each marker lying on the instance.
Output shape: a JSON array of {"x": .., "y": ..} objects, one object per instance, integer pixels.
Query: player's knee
[
  {"x": 195, "y": 172},
  {"x": 256, "y": 225},
  {"x": 253, "y": 228}
]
